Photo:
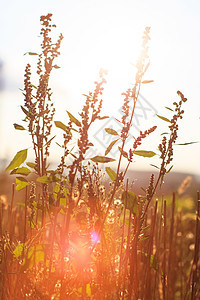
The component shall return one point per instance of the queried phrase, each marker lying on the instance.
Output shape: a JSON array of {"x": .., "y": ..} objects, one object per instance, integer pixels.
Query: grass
[{"x": 70, "y": 237}]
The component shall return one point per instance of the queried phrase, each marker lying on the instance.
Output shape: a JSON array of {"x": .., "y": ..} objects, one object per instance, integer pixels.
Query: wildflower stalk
[
  {"x": 130, "y": 93},
  {"x": 90, "y": 113},
  {"x": 122, "y": 242},
  {"x": 171, "y": 248},
  {"x": 166, "y": 147},
  {"x": 195, "y": 266},
  {"x": 11, "y": 208}
]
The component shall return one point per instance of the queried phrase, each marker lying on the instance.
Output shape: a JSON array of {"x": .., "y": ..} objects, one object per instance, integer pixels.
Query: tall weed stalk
[{"x": 77, "y": 239}]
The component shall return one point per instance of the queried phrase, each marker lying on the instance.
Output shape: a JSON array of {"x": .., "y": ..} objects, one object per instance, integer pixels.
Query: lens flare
[{"x": 95, "y": 237}]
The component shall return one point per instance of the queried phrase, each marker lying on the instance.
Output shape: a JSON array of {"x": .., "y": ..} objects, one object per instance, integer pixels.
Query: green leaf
[
  {"x": 25, "y": 111},
  {"x": 19, "y": 158},
  {"x": 111, "y": 173},
  {"x": 21, "y": 171},
  {"x": 111, "y": 131},
  {"x": 130, "y": 201},
  {"x": 35, "y": 87},
  {"x": 145, "y": 228},
  {"x": 49, "y": 141},
  {"x": 31, "y": 165},
  {"x": 58, "y": 145},
  {"x": 154, "y": 166},
  {"x": 153, "y": 262},
  {"x": 88, "y": 290},
  {"x": 47, "y": 263},
  {"x": 147, "y": 81},
  {"x": 63, "y": 201},
  {"x": 21, "y": 183},
  {"x": 34, "y": 255},
  {"x": 44, "y": 179},
  {"x": 169, "y": 169},
  {"x": 56, "y": 188},
  {"x": 124, "y": 153},
  {"x": 65, "y": 192},
  {"x": 18, "y": 250},
  {"x": 74, "y": 130},
  {"x": 60, "y": 125},
  {"x": 110, "y": 146},
  {"x": 185, "y": 144},
  {"x": 31, "y": 224},
  {"x": 73, "y": 119},
  {"x": 39, "y": 254},
  {"x": 18, "y": 127},
  {"x": 143, "y": 238},
  {"x": 144, "y": 190},
  {"x": 102, "y": 159},
  {"x": 13, "y": 171},
  {"x": 163, "y": 118},
  {"x": 169, "y": 108},
  {"x": 21, "y": 204},
  {"x": 144, "y": 153}
]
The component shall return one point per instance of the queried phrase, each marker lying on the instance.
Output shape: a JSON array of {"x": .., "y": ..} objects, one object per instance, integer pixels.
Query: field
[{"x": 86, "y": 230}]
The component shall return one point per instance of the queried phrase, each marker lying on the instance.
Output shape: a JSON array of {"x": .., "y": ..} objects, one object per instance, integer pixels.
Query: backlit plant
[{"x": 78, "y": 239}]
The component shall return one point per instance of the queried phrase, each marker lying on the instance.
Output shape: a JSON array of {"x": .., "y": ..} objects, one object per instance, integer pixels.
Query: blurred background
[{"x": 106, "y": 34}]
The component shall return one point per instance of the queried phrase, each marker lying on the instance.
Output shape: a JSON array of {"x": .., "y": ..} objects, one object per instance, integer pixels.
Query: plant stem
[{"x": 196, "y": 251}]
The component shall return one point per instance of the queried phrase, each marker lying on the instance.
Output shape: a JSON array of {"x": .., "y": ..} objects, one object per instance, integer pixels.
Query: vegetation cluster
[{"x": 70, "y": 238}]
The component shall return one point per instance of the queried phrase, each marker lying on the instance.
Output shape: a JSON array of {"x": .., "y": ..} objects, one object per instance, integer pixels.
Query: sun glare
[
  {"x": 112, "y": 47},
  {"x": 111, "y": 54}
]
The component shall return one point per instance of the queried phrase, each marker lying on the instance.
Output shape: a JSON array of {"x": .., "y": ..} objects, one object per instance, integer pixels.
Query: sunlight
[
  {"x": 113, "y": 54},
  {"x": 112, "y": 47},
  {"x": 79, "y": 250}
]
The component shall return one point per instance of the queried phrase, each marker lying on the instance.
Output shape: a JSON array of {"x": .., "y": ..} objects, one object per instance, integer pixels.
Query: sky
[{"x": 106, "y": 34}]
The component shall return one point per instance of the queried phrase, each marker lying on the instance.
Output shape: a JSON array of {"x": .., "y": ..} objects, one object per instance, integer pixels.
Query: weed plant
[{"x": 71, "y": 238}]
